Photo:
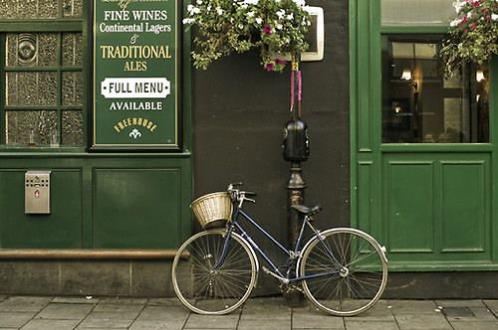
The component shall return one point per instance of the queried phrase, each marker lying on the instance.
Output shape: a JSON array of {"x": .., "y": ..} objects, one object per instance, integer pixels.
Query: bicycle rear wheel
[
  {"x": 345, "y": 270},
  {"x": 206, "y": 290}
]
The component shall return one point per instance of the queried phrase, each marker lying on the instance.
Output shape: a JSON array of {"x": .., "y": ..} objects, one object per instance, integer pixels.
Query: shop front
[
  {"x": 95, "y": 158},
  {"x": 423, "y": 146},
  {"x": 107, "y": 135}
]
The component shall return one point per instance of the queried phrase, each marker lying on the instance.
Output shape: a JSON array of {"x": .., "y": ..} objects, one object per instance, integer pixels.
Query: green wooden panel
[
  {"x": 364, "y": 131},
  {"x": 137, "y": 208},
  {"x": 60, "y": 229},
  {"x": 410, "y": 200},
  {"x": 364, "y": 193},
  {"x": 465, "y": 217}
]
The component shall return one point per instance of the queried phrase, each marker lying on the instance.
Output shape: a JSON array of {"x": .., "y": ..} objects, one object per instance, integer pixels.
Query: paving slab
[
  {"x": 83, "y": 328},
  {"x": 474, "y": 325},
  {"x": 75, "y": 300},
  {"x": 24, "y": 304},
  {"x": 422, "y": 322},
  {"x": 157, "y": 325},
  {"x": 353, "y": 324},
  {"x": 316, "y": 320},
  {"x": 128, "y": 301},
  {"x": 196, "y": 321},
  {"x": 163, "y": 313},
  {"x": 412, "y": 306},
  {"x": 267, "y": 318},
  {"x": 119, "y": 308},
  {"x": 164, "y": 301},
  {"x": 60, "y": 311},
  {"x": 381, "y": 311},
  {"x": 492, "y": 305},
  {"x": 106, "y": 320},
  {"x": 264, "y": 324},
  {"x": 40, "y": 324},
  {"x": 80, "y": 328},
  {"x": 477, "y": 314},
  {"x": 15, "y": 319},
  {"x": 460, "y": 303},
  {"x": 266, "y": 308}
]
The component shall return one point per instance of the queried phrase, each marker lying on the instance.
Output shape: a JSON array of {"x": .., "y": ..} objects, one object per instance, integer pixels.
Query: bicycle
[{"x": 342, "y": 271}]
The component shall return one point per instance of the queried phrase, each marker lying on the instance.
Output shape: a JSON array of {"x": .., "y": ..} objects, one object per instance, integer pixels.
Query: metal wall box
[{"x": 37, "y": 192}]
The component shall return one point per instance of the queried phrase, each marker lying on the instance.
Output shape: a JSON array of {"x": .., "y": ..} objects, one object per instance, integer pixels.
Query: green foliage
[
  {"x": 473, "y": 35},
  {"x": 223, "y": 27}
]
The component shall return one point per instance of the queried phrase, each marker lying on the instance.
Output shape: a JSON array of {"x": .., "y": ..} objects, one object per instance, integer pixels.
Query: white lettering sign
[{"x": 135, "y": 88}]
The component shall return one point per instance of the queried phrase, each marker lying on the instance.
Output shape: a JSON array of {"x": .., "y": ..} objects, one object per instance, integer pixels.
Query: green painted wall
[{"x": 99, "y": 201}]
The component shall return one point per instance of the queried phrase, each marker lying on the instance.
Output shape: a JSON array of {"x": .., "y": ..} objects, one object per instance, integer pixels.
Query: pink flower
[
  {"x": 279, "y": 61},
  {"x": 473, "y": 26},
  {"x": 267, "y": 29},
  {"x": 269, "y": 67}
]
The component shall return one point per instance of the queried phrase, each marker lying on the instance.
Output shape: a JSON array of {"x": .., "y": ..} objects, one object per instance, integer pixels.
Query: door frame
[{"x": 366, "y": 148}]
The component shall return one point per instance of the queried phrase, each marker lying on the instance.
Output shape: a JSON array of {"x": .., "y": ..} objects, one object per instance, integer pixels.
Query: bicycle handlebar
[{"x": 239, "y": 195}]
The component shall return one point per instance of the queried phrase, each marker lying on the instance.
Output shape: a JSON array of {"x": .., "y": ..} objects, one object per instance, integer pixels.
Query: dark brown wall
[{"x": 239, "y": 112}]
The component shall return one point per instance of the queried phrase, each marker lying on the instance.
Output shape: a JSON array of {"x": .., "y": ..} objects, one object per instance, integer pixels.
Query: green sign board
[{"x": 135, "y": 73}]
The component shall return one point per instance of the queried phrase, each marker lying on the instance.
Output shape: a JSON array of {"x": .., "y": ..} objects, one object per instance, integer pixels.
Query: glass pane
[
  {"x": 26, "y": 8},
  {"x": 420, "y": 106},
  {"x": 47, "y": 9},
  {"x": 72, "y": 88},
  {"x": 72, "y": 48},
  {"x": 419, "y": 12},
  {"x": 30, "y": 128},
  {"x": 47, "y": 49},
  {"x": 31, "y": 49},
  {"x": 32, "y": 9},
  {"x": 72, "y": 128},
  {"x": 31, "y": 88},
  {"x": 73, "y": 8}
]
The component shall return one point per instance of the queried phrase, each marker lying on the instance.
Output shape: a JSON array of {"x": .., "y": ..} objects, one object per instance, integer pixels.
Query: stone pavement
[{"x": 60, "y": 313}]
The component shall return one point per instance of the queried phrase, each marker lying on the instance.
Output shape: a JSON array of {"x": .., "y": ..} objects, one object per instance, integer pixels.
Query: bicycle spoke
[
  {"x": 341, "y": 292},
  {"x": 215, "y": 290}
]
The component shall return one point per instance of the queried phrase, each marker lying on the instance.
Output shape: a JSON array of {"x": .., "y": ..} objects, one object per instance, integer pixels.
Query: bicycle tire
[
  {"x": 204, "y": 290},
  {"x": 357, "y": 284}
]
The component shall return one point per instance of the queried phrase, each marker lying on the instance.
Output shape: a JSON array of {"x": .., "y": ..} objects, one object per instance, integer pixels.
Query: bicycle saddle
[{"x": 307, "y": 210}]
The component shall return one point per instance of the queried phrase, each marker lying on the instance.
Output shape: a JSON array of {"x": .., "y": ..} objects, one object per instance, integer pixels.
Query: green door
[{"x": 424, "y": 155}]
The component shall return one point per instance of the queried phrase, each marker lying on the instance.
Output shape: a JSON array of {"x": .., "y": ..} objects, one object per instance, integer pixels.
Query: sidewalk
[{"x": 60, "y": 313}]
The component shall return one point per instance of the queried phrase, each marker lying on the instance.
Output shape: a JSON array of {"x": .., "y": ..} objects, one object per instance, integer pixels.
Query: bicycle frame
[{"x": 291, "y": 255}]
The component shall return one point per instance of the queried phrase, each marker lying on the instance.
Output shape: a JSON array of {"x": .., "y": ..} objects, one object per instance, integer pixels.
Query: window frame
[
  {"x": 423, "y": 28},
  {"x": 60, "y": 26},
  {"x": 471, "y": 68}
]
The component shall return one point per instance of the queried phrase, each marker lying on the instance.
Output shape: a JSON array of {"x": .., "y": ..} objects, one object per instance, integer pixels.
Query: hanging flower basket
[
  {"x": 223, "y": 27},
  {"x": 473, "y": 34}
]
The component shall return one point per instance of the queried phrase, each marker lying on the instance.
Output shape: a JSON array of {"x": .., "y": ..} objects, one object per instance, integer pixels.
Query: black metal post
[{"x": 296, "y": 184}]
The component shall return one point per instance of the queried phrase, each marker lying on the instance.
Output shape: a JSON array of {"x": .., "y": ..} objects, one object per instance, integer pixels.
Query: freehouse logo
[{"x": 136, "y": 123}]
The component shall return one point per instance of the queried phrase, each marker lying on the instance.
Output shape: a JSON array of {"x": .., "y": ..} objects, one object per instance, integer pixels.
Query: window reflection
[{"x": 420, "y": 105}]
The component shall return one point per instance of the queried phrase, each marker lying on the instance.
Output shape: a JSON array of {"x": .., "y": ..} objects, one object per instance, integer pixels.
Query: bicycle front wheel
[
  {"x": 345, "y": 271},
  {"x": 205, "y": 288}
]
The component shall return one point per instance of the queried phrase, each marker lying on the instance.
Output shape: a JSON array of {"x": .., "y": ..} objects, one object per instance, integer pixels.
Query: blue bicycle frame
[{"x": 291, "y": 255}]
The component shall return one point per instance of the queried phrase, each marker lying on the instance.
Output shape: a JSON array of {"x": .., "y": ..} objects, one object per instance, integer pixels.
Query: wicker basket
[{"x": 212, "y": 209}]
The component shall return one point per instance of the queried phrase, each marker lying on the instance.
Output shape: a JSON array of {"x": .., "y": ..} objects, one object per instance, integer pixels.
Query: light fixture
[
  {"x": 406, "y": 75},
  {"x": 480, "y": 76}
]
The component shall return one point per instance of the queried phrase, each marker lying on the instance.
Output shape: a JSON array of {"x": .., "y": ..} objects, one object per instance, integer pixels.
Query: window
[
  {"x": 42, "y": 75},
  {"x": 416, "y": 12},
  {"x": 420, "y": 105}
]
